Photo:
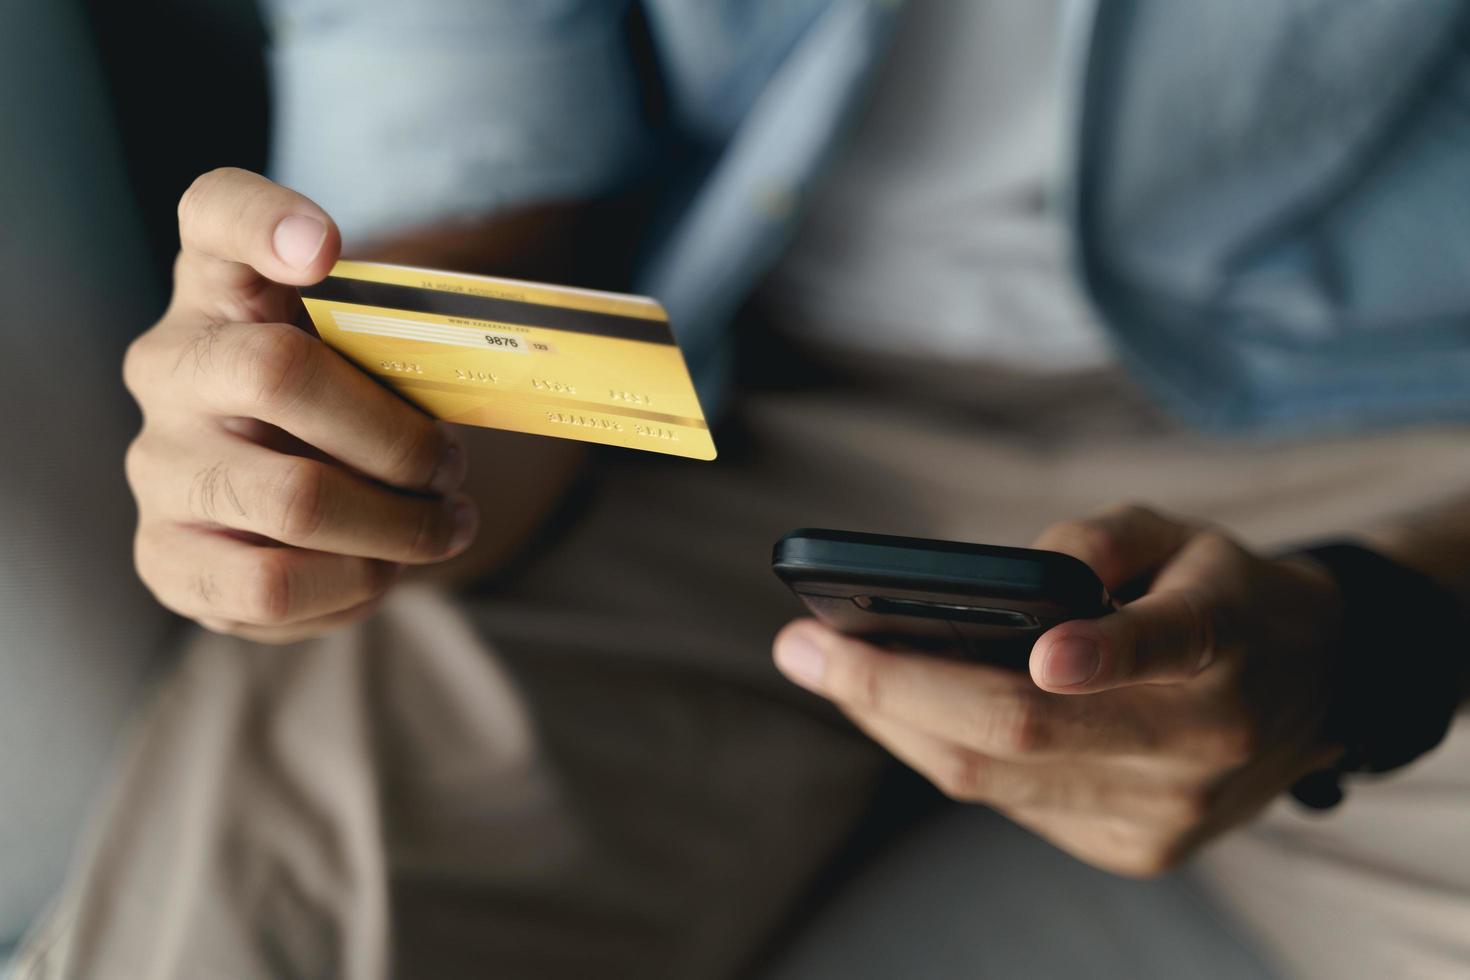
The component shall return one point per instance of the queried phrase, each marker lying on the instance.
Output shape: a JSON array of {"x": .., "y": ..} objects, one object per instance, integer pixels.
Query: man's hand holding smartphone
[{"x": 1138, "y": 735}]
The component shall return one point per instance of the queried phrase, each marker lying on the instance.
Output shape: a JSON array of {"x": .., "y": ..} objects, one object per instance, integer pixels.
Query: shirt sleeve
[{"x": 396, "y": 115}]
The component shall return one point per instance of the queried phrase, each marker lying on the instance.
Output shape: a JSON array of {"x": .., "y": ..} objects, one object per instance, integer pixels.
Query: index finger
[
  {"x": 283, "y": 376},
  {"x": 1120, "y": 544},
  {"x": 238, "y": 231},
  {"x": 991, "y": 710}
]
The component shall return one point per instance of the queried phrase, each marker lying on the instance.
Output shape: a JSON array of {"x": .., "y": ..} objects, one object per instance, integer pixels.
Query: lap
[{"x": 595, "y": 763}]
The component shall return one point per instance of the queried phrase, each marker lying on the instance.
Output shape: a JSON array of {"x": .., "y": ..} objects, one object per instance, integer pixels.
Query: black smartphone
[{"x": 972, "y": 601}]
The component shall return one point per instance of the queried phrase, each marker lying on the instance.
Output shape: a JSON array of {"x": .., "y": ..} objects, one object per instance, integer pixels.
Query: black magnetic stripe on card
[{"x": 421, "y": 300}]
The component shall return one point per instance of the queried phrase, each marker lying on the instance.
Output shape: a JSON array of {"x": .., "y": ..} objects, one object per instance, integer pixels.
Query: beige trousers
[{"x": 593, "y": 770}]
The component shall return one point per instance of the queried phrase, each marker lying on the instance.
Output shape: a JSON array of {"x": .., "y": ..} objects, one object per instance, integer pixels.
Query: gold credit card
[{"x": 549, "y": 360}]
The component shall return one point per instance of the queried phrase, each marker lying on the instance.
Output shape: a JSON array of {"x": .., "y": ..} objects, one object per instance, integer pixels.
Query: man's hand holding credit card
[
  {"x": 528, "y": 357},
  {"x": 282, "y": 485}
]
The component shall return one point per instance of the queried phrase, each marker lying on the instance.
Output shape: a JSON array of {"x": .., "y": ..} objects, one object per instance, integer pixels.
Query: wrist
[
  {"x": 1392, "y": 664},
  {"x": 1319, "y": 611}
]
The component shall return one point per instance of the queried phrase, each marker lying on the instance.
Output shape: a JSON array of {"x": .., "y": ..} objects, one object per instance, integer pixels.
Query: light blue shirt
[{"x": 1270, "y": 202}]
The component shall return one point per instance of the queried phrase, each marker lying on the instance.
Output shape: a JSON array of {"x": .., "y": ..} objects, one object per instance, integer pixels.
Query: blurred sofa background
[{"x": 108, "y": 111}]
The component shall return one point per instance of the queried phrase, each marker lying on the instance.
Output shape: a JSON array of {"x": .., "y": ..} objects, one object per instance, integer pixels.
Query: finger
[
  {"x": 988, "y": 709},
  {"x": 294, "y": 500},
  {"x": 239, "y": 232},
  {"x": 1164, "y": 637},
  {"x": 1120, "y": 544},
  {"x": 972, "y": 777},
  {"x": 272, "y": 437},
  {"x": 1169, "y": 635},
  {"x": 296, "y": 632},
  {"x": 206, "y": 575},
  {"x": 282, "y": 376}
]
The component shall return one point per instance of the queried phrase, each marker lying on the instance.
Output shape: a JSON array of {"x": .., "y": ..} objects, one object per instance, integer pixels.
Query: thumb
[
  {"x": 1163, "y": 637},
  {"x": 239, "y": 233}
]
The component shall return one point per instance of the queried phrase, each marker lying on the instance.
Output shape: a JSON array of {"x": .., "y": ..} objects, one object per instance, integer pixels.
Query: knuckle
[
  {"x": 1151, "y": 859},
  {"x": 1216, "y": 547},
  {"x": 1134, "y": 512},
  {"x": 189, "y": 201},
  {"x": 297, "y": 500},
  {"x": 1100, "y": 544},
  {"x": 1146, "y": 733},
  {"x": 1091, "y": 541},
  {"x": 1234, "y": 743},
  {"x": 178, "y": 272},
  {"x": 135, "y": 464},
  {"x": 1015, "y": 724},
  {"x": 1142, "y": 851},
  {"x": 143, "y": 550},
  {"x": 411, "y": 456},
  {"x": 1062, "y": 531},
  {"x": 279, "y": 638},
  {"x": 871, "y": 685},
  {"x": 134, "y": 362},
  {"x": 224, "y": 627},
  {"x": 1186, "y": 806},
  {"x": 1198, "y": 629},
  {"x": 199, "y": 193},
  {"x": 153, "y": 566},
  {"x": 962, "y": 776},
  {"x": 203, "y": 498},
  {"x": 205, "y": 188},
  {"x": 430, "y": 534},
  {"x": 379, "y": 576},
  {"x": 274, "y": 364},
  {"x": 857, "y": 679},
  {"x": 268, "y": 588}
]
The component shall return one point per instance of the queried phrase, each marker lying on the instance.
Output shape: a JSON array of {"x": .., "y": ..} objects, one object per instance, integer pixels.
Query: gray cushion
[{"x": 79, "y": 633}]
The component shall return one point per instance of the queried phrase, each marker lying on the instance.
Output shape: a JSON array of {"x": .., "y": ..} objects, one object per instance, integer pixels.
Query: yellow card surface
[{"x": 548, "y": 360}]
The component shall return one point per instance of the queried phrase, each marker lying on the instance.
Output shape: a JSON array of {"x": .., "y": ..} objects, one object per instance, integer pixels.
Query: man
[{"x": 586, "y": 765}]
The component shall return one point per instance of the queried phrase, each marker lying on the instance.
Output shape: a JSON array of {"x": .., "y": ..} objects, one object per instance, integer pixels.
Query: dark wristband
[{"x": 1398, "y": 671}]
